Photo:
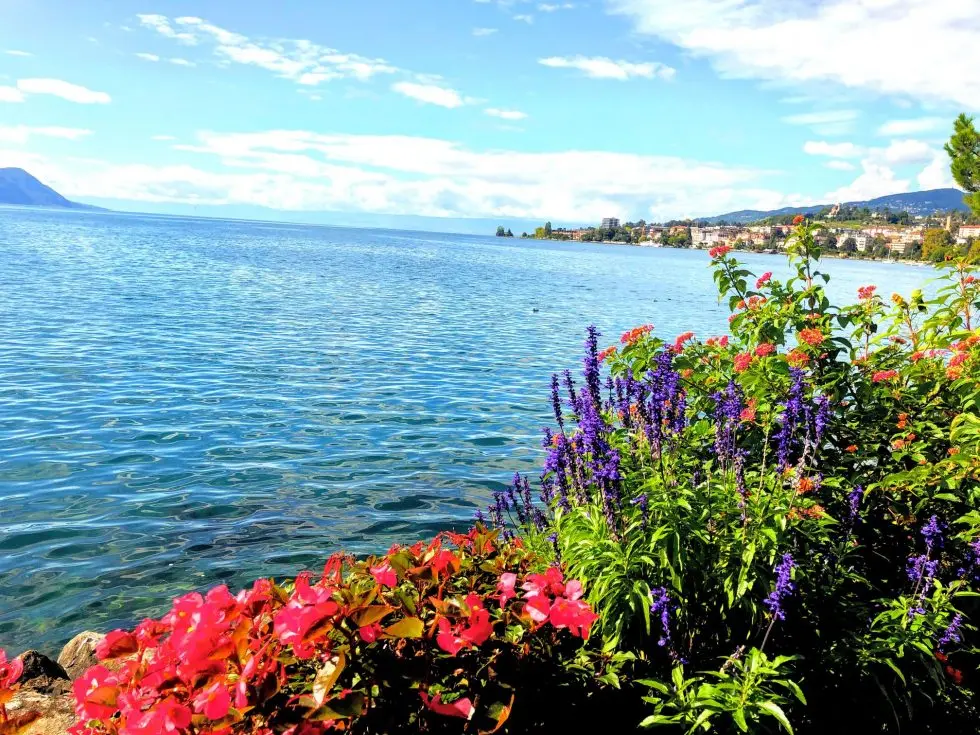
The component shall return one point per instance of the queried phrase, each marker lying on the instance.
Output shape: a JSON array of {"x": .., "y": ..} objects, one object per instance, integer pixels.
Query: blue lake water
[{"x": 185, "y": 402}]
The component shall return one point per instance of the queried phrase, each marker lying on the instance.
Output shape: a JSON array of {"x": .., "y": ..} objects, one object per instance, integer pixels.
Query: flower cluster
[
  {"x": 10, "y": 672},
  {"x": 635, "y": 334},
  {"x": 302, "y": 659},
  {"x": 719, "y": 251}
]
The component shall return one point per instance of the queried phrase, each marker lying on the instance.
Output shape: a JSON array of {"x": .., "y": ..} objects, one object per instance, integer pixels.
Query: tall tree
[{"x": 964, "y": 153}]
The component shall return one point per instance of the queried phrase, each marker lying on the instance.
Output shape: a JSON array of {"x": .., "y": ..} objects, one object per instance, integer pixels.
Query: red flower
[
  {"x": 851, "y": 448},
  {"x": 168, "y": 716},
  {"x": 506, "y": 587},
  {"x": 369, "y": 633},
  {"x": 955, "y": 674},
  {"x": 719, "y": 251},
  {"x": 607, "y": 353},
  {"x": 748, "y": 413},
  {"x": 576, "y": 615},
  {"x": 681, "y": 339},
  {"x": 306, "y": 617},
  {"x": 765, "y": 349},
  {"x": 812, "y": 337},
  {"x": 798, "y": 219},
  {"x": 116, "y": 644},
  {"x": 797, "y": 358},
  {"x": 478, "y": 626},
  {"x": 213, "y": 702},
  {"x": 883, "y": 375},
  {"x": 447, "y": 639},
  {"x": 866, "y": 292},
  {"x": 96, "y": 693},
  {"x": 442, "y": 561},
  {"x": 764, "y": 279},
  {"x": 916, "y": 356},
  {"x": 969, "y": 279},
  {"x": 384, "y": 575},
  {"x": 958, "y": 359},
  {"x": 742, "y": 361},
  {"x": 462, "y": 707}
]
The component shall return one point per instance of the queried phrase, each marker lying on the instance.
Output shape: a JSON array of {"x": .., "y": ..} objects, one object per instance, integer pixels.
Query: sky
[{"x": 511, "y": 110}]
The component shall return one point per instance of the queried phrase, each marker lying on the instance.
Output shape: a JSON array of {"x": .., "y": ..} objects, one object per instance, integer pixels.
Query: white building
[{"x": 610, "y": 223}]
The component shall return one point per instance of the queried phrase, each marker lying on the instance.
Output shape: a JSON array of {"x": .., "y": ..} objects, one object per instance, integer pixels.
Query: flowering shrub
[
  {"x": 465, "y": 631},
  {"x": 783, "y": 527}
]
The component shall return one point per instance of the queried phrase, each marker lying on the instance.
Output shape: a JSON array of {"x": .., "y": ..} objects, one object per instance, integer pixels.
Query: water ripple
[{"x": 188, "y": 402}]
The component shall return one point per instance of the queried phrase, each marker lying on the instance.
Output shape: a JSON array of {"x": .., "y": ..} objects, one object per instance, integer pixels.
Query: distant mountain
[
  {"x": 19, "y": 187},
  {"x": 915, "y": 203}
]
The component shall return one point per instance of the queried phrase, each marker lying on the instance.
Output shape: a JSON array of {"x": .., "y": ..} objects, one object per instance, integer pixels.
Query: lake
[{"x": 185, "y": 402}]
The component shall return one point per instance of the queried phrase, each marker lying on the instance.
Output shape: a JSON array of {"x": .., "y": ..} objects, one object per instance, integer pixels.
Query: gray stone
[
  {"x": 79, "y": 654},
  {"x": 43, "y": 675}
]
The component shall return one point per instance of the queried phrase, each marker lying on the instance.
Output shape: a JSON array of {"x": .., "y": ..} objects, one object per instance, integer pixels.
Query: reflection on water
[{"x": 187, "y": 402}]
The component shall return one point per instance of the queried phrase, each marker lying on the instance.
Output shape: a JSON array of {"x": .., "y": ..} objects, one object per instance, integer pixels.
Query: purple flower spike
[{"x": 784, "y": 587}]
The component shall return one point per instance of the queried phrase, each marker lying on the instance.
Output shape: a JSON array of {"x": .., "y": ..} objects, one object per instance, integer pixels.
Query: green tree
[
  {"x": 501, "y": 232},
  {"x": 509, "y": 233},
  {"x": 964, "y": 153},
  {"x": 547, "y": 229},
  {"x": 850, "y": 245},
  {"x": 936, "y": 244}
]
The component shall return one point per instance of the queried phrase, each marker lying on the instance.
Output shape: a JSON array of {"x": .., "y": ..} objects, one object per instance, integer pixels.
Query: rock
[
  {"x": 57, "y": 711},
  {"x": 79, "y": 654},
  {"x": 43, "y": 675}
]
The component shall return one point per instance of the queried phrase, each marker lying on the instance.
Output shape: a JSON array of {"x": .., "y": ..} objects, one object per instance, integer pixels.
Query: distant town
[{"x": 847, "y": 232}]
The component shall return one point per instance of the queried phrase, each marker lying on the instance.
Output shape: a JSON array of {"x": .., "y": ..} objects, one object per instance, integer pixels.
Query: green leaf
[
  {"x": 739, "y": 716},
  {"x": 773, "y": 709},
  {"x": 326, "y": 677},
  {"x": 407, "y": 628}
]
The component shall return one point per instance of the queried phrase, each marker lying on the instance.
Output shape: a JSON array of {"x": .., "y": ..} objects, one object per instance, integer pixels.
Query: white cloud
[
  {"x": 913, "y": 127},
  {"x": 505, "y": 114},
  {"x": 15, "y": 52},
  {"x": 161, "y": 24},
  {"x": 64, "y": 90},
  {"x": 484, "y": 31},
  {"x": 524, "y": 18},
  {"x": 148, "y": 57},
  {"x": 553, "y": 7},
  {"x": 936, "y": 174},
  {"x": 876, "y": 180},
  {"x": 181, "y": 62},
  {"x": 599, "y": 67},
  {"x": 840, "y": 165},
  {"x": 301, "y": 61},
  {"x": 834, "y": 150},
  {"x": 21, "y": 134},
  {"x": 162, "y": 137},
  {"x": 430, "y": 93},
  {"x": 830, "y": 122},
  {"x": 920, "y": 48},
  {"x": 11, "y": 94}
]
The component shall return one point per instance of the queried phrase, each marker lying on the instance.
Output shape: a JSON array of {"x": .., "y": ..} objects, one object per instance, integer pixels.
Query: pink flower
[
  {"x": 765, "y": 349},
  {"x": 719, "y": 251},
  {"x": 573, "y": 590},
  {"x": 866, "y": 292},
  {"x": 764, "y": 279},
  {"x": 883, "y": 375},
  {"x": 10, "y": 671},
  {"x": 168, "y": 716},
  {"x": 607, "y": 353},
  {"x": 384, "y": 575},
  {"x": 538, "y": 608},
  {"x": 462, "y": 707},
  {"x": 369, "y": 633},
  {"x": 506, "y": 587},
  {"x": 681, "y": 339},
  {"x": 742, "y": 361},
  {"x": 214, "y": 702}
]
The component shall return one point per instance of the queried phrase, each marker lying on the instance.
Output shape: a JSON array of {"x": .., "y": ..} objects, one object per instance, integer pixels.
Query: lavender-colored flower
[
  {"x": 479, "y": 517},
  {"x": 661, "y": 607},
  {"x": 641, "y": 502},
  {"x": 728, "y": 412},
  {"x": 784, "y": 587},
  {"x": 921, "y": 569},
  {"x": 972, "y": 567},
  {"x": 556, "y": 403},
  {"x": 570, "y": 387},
  {"x": 593, "y": 380},
  {"x": 932, "y": 532},
  {"x": 793, "y": 410},
  {"x": 821, "y": 419},
  {"x": 854, "y": 504},
  {"x": 952, "y": 633}
]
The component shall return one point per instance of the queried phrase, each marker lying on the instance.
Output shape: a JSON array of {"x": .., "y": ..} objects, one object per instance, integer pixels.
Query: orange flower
[
  {"x": 852, "y": 448},
  {"x": 903, "y": 420},
  {"x": 608, "y": 352},
  {"x": 812, "y": 336},
  {"x": 742, "y": 361},
  {"x": 804, "y": 485},
  {"x": 953, "y": 451},
  {"x": 798, "y": 219},
  {"x": 748, "y": 413},
  {"x": 797, "y": 358},
  {"x": 765, "y": 349}
]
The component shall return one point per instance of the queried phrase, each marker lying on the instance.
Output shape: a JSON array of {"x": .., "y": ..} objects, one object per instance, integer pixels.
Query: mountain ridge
[
  {"x": 18, "y": 187},
  {"x": 915, "y": 203}
]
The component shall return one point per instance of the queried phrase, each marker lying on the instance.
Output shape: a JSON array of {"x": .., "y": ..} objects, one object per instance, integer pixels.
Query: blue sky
[{"x": 505, "y": 109}]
